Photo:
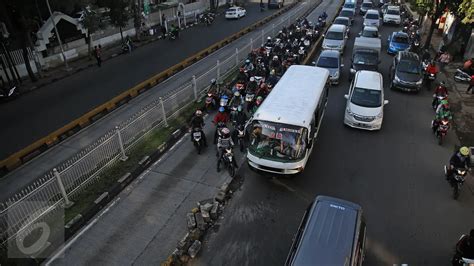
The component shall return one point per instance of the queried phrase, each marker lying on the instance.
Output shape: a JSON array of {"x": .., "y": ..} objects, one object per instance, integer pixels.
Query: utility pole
[{"x": 57, "y": 35}]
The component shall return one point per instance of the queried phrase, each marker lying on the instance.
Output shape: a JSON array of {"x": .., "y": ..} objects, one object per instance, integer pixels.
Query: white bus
[{"x": 283, "y": 129}]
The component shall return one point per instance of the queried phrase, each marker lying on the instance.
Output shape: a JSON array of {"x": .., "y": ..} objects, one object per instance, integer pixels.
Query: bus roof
[{"x": 295, "y": 97}]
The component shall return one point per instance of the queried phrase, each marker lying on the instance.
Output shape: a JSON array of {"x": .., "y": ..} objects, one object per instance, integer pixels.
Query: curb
[{"x": 26, "y": 154}]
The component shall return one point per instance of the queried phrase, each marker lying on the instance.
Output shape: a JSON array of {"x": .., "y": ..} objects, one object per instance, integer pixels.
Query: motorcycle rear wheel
[
  {"x": 440, "y": 139},
  {"x": 231, "y": 170}
]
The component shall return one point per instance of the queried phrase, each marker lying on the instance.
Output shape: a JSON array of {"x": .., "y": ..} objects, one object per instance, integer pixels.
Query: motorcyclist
[
  {"x": 256, "y": 104},
  {"x": 174, "y": 31},
  {"x": 263, "y": 90},
  {"x": 441, "y": 90},
  {"x": 442, "y": 112},
  {"x": 242, "y": 77},
  {"x": 252, "y": 86},
  {"x": 468, "y": 66},
  {"x": 272, "y": 78},
  {"x": 269, "y": 42},
  {"x": 221, "y": 117},
  {"x": 197, "y": 122},
  {"x": 249, "y": 67},
  {"x": 460, "y": 159},
  {"x": 237, "y": 100},
  {"x": 224, "y": 142},
  {"x": 464, "y": 248},
  {"x": 430, "y": 69},
  {"x": 213, "y": 87},
  {"x": 275, "y": 63}
]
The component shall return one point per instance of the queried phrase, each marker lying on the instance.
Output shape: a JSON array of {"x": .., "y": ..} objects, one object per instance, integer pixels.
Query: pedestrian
[
  {"x": 471, "y": 85},
  {"x": 128, "y": 41},
  {"x": 444, "y": 59},
  {"x": 98, "y": 55}
]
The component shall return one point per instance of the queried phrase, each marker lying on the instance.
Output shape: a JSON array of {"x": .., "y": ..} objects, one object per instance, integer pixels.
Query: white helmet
[
  {"x": 252, "y": 79},
  {"x": 275, "y": 57},
  {"x": 269, "y": 38}
]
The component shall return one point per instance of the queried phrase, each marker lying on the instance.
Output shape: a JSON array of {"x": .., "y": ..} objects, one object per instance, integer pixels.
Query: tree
[
  {"x": 467, "y": 9},
  {"x": 119, "y": 14},
  {"x": 137, "y": 17},
  {"x": 92, "y": 22}
]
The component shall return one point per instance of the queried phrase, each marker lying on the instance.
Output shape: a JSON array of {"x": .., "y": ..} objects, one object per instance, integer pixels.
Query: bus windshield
[{"x": 276, "y": 141}]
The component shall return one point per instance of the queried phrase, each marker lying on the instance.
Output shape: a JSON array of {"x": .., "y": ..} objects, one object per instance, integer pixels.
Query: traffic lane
[
  {"x": 395, "y": 174},
  {"x": 45, "y": 110}
]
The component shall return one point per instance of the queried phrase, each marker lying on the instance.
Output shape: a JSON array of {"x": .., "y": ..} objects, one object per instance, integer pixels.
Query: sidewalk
[{"x": 462, "y": 104}]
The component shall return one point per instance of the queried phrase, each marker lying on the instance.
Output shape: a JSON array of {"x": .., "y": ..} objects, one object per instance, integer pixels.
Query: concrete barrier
[{"x": 17, "y": 159}]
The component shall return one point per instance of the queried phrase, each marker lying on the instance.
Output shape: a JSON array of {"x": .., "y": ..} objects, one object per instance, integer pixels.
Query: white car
[
  {"x": 365, "y": 101},
  {"x": 372, "y": 18},
  {"x": 392, "y": 15},
  {"x": 235, "y": 12}
]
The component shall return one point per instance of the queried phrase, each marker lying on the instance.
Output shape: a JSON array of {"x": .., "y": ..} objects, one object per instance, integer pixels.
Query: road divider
[{"x": 31, "y": 151}]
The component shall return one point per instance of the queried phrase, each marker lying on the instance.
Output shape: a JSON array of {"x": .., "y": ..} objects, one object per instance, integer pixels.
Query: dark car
[
  {"x": 332, "y": 232},
  {"x": 406, "y": 72}
]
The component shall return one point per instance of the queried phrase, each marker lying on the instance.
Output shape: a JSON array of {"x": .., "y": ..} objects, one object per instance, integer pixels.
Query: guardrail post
[
  {"x": 166, "y": 26},
  {"x": 123, "y": 156},
  {"x": 263, "y": 38},
  {"x": 251, "y": 44},
  {"x": 195, "y": 88},
  {"x": 218, "y": 65},
  {"x": 163, "y": 110},
  {"x": 195, "y": 17},
  {"x": 237, "y": 56},
  {"x": 179, "y": 22},
  {"x": 67, "y": 202}
]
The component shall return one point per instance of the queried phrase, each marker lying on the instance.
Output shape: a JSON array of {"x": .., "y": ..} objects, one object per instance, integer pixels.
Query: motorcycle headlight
[{"x": 461, "y": 172}]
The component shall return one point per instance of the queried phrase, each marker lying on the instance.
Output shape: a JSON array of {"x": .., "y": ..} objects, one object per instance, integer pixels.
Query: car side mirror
[
  {"x": 346, "y": 96},
  {"x": 313, "y": 63},
  {"x": 385, "y": 102}
]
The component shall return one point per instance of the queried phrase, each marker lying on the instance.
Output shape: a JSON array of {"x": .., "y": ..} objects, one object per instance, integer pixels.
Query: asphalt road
[
  {"x": 394, "y": 174},
  {"x": 40, "y": 112}
]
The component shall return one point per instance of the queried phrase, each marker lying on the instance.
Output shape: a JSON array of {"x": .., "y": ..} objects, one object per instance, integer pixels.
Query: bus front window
[{"x": 275, "y": 141}]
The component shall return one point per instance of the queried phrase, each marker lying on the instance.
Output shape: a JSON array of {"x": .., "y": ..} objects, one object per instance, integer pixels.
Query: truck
[{"x": 366, "y": 54}]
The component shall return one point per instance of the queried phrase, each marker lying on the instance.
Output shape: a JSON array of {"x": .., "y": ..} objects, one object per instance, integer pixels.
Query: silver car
[
  {"x": 331, "y": 60},
  {"x": 335, "y": 38}
]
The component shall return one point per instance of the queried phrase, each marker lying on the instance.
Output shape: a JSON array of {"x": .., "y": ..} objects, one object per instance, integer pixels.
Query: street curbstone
[
  {"x": 144, "y": 161},
  {"x": 194, "y": 249},
  {"x": 191, "y": 221},
  {"x": 101, "y": 198}
]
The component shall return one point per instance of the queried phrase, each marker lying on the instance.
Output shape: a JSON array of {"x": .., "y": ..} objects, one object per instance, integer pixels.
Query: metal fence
[{"x": 68, "y": 179}]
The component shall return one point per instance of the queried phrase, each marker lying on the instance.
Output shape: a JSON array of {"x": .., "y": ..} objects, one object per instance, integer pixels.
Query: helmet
[
  {"x": 259, "y": 98},
  {"x": 198, "y": 112},
  {"x": 464, "y": 151},
  {"x": 252, "y": 79},
  {"x": 239, "y": 108},
  {"x": 213, "y": 81},
  {"x": 237, "y": 94},
  {"x": 221, "y": 109},
  {"x": 275, "y": 57},
  {"x": 442, "y": 84},
  {"x": 269, "y": 38},
  {"x": 272, "y": 72},
  {"x": 225, "y": 131},
  {"x": 247, "y": 61}
]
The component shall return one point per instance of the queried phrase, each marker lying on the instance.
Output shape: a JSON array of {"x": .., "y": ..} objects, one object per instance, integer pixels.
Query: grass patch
[{"x": 108, "y": 177}]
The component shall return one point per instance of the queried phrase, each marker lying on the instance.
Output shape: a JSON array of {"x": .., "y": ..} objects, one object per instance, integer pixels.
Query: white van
[
  {"x": 372, "y": 18},
  {"x": 365, "y": 101},
  {"x": 335, "y": 38}
]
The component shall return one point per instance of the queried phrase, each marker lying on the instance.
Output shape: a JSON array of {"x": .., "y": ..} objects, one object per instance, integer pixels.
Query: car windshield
[
  {"x": 232, "y": 10},
  {"x": 393, "y": 12},
  {"x": 365, "y": 58},
  {"x": 341, "y": 21},
  {"x": 409, "y": 66},
  {"x": 275, "y": 141},
  {"x": 368, "y": 5},
  {"x": 334, "y": 35},
  {"x": 349, "y": 5},
  {"x": 400, "y": 39},
  {"x": 346, "y": 13},
  {"x": 366, "y": 97},
  {"x": 327, "y": 62},
  {"x": 370, "y": 33},
  {"x": 372, "y": 16}
]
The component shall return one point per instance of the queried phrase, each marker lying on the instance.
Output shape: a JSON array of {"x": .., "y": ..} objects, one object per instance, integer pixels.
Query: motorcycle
[
  {"x": 457, "y": 180},
  {"x": 210, "y": 102},
  {"x": 217, "y": 133},
  {"x": 228, "y": 160},
  {"x": 440, "y": 129},
  {"x": 458, "y": 259},
  {"x": 437, "y": 99},
  {"x": 174, "y": 34},
  {"x": 9, "y": 94},
  {"x": 207, "y": 18},
  {"x": 224, "y": 101},
  {"x": 321, "y": 22},
  {"x": 198, "y": 139},
  {"x": 461, "y": 76},
  {"x": 429, "y": 78}
]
